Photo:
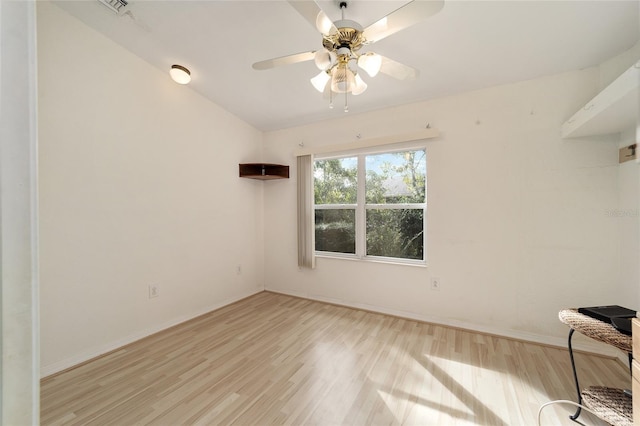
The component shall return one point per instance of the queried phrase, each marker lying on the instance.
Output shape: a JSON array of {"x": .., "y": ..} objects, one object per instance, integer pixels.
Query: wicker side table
[{"x": 612, "y": 405}]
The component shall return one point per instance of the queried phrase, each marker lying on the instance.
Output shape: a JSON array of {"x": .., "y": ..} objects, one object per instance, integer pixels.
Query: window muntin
[{"x": 371, "y": 205}]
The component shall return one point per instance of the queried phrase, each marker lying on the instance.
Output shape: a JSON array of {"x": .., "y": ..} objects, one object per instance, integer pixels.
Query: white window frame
[{"x": 361, "y": 207}]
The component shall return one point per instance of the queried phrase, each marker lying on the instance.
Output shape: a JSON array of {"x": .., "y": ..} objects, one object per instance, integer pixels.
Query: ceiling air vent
[{"x": 116, "y": 6}]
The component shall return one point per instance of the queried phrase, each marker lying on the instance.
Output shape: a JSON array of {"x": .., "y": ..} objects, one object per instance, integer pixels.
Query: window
[{"x": 371, "y": 205}]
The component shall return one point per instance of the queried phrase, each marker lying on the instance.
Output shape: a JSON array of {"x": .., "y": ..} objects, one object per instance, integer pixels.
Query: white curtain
[{"x": 306, "y": 233}]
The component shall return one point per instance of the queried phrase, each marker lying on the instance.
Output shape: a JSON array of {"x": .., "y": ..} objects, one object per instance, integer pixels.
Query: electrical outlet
[
  {"x": 435, "y": 283},
  {"x": 154, "y": 291}
]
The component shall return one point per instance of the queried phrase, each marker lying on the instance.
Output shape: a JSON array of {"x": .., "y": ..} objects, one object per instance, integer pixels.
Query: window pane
[
  {"x": 395, "y": 233},
  {"x": 336, "y": 230},
  {"x": 396, "y": 177},
  {"x": 335, "y": 181}
]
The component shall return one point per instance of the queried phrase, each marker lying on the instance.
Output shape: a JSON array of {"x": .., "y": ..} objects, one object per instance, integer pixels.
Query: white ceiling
[{"x": 467, "y": 45}]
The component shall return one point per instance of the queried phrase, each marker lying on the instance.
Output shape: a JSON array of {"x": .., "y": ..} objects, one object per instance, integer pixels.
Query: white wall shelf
[{"x": 613, "y": 110}]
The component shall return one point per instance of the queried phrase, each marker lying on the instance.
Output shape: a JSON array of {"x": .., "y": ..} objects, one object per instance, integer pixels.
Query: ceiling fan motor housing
[{"x": 349, "y": 35}]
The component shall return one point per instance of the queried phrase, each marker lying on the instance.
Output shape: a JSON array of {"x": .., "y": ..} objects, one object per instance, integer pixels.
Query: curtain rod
[{"x": 366, "y": 143}]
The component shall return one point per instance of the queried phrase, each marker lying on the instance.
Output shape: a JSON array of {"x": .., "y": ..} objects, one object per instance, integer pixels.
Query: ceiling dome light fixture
[{"x": 180, "y": 74}]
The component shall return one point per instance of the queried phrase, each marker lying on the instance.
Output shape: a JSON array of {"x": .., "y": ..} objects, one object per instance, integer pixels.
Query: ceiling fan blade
[
  {"x": 410, "y": 14},
  {"x": 310, "y": 11},
  {"x": 398, "y": 70},
  {"x": 284, "y": 60}
]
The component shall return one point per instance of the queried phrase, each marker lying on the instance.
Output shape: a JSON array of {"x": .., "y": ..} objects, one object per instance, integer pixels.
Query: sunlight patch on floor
[{"x": 424, "y": 412}]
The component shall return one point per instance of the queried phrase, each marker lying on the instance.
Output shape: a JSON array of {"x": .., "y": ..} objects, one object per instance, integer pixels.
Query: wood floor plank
[{"x": 276, "y": 359}]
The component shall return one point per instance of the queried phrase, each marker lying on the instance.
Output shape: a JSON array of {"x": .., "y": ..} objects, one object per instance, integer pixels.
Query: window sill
[{"x": 371, "y": 259}]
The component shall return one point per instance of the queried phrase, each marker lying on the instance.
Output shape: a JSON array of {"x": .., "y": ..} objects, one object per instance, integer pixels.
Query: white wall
[
  {"x": 627, "y": 217},
  {"x": 139, "y": 185},
  {"x": 19, "y": 361},
  {"x": 517, "y": 224}
]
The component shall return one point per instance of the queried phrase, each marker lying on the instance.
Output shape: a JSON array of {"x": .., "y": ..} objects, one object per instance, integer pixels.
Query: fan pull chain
[
  {"x": 346, "y": 105},
  {"x": 330, "y": 99}
]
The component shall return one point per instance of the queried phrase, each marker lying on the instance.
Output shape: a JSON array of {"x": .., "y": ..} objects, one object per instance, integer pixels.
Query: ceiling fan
[{"x": 340, "y": 59}]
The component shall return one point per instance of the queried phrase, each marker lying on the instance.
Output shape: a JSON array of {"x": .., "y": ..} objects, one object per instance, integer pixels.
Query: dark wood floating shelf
[{"x": 264, "y": 171}]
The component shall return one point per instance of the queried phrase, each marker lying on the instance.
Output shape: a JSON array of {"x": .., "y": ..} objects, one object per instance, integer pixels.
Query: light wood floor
[{"x": 275, "y": 359}]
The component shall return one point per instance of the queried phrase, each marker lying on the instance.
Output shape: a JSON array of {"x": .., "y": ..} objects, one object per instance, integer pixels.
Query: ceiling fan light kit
[
  {"x": 359, "y": 85},
  {"x": 325, "y": 59},
  {"x": 320, "y": 81},
  {"x": 339, "y": 59},
  {"x": 371, "y": 63},
  {"x": 342, "y": 78}
]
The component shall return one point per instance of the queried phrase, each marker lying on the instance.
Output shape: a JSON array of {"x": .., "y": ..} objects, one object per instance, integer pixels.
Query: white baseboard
[
  {"x": 584, "y": 345},
  {"x": 47, "y": 370}
]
